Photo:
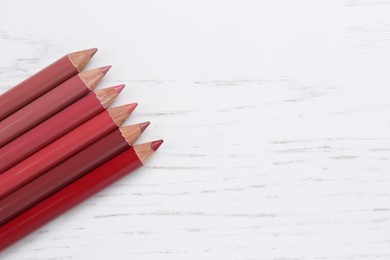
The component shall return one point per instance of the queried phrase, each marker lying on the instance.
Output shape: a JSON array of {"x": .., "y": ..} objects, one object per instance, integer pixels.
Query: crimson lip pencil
[
  {"x": 76, "y": 192},
  {"x": 63, "y": 148},
  {"x": 56, "y": 126},
  {"x": 49, "y": 104},
  {"x": 43, "y": 81},
  {"x": 69, "y": 170}
]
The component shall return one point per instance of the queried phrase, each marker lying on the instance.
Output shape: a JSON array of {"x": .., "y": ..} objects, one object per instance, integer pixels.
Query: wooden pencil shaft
[{"x": 61, "y": 175}]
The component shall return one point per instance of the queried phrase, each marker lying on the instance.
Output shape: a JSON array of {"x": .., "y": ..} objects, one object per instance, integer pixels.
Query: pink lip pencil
[
  {"x": 56, "y": 126},
  {"x": 50, "y": 103},
  {"x": 43, "y": 81}
]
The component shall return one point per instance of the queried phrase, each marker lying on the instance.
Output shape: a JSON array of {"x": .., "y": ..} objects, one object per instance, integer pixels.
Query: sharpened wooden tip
[
  {"x": 80, "y": 59},
  {"x": 91, "y": 52},
  {"x": 144, "y": 151},
  {"x": 130, "y": 107},
  {"x": 105, "y": 69},
  {"x": 107, "y": 95},
  {"x": 132, "y": 132},
  {"x": 121, "y": 113},
  {"x": 88, "y": 52},
  {"x": 92, "y": 77},
  {"x": 119, "y": 88}
]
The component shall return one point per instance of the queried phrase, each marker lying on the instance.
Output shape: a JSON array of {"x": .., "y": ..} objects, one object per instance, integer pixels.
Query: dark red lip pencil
[
  {"x": 56, "y": 126},
  {"x": 43, "y": 81},
  {"x": 75, "y": 193},
  {"x": 69, "y": 170},
  {"x": 50, "y": 103},
  {"x": 63, "y": 148}
]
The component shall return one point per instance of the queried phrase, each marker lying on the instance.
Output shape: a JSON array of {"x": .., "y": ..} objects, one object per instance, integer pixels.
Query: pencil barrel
[
  {"x": 68, "y": 197},
  {"x": 49, "y": 131},
  {"x": 36, "y": 85}
]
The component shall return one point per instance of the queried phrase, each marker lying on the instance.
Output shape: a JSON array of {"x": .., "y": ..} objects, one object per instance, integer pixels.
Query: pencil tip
[
  {"x": 121, "y": 113},
  {"x": 131, "y": 133},
  {"x": 107, "y": 95},
  {"x": 156, "y": 144},
  {"x": 144, "y": 125},
  {"x": 119, "y": 88},
  {"x": 80, "y": 59},
  {"x": 91, "y": 52},
  {"x": 130, "y": 107},
  {"x": 144, "y": 151},
  {"x": 105, "y": 69},
  {"x": 93, "y": 76}
]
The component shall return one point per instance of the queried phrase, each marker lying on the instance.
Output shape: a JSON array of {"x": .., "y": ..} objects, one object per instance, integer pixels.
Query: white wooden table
[{"x": 275, "y": 113}]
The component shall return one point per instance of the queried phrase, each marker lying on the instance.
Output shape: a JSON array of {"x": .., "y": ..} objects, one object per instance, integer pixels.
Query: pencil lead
[
  {"x": 121, "y": 113},
  {"x": 156, "y": 144},
  {"x": 130, "y": 107},
  {"x": 144, "y": 151},
  {"x": 119, "y": 88},
  {"x": 144, "y": 125},
  {"x": 80, "y": 59},
  {"x": 93, "y": 76},
  {"x": 105, "y": 69}
]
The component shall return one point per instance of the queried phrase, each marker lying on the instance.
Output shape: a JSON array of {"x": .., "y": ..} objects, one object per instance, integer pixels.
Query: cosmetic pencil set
[{"x": 60, "y": 143}]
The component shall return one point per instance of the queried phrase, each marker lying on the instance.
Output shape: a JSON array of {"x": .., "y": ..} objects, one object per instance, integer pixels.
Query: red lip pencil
[
  {"x": 68, "y": 171},
  {"x": 63, "y": 148},
  {"x": 56, "y": 126},
  {"x": 49, "y": 104},
  {"x": 43, "y": 81},
  {"x": 75, "y": 193}
]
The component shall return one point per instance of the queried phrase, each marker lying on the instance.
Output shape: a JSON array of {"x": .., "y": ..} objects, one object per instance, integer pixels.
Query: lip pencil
[
  {"x": 76, "y": 192},
  {"x": 63, "y": 148},
  {"x": 49, "y": 104},
  {"x": 69, "y": 171},
  {"x": 56, "y": 126},
  {"x": 43, "y": 81}
]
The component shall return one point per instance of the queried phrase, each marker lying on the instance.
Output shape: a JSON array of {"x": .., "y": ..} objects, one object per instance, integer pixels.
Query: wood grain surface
[{"x": 275, "y": 115}]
